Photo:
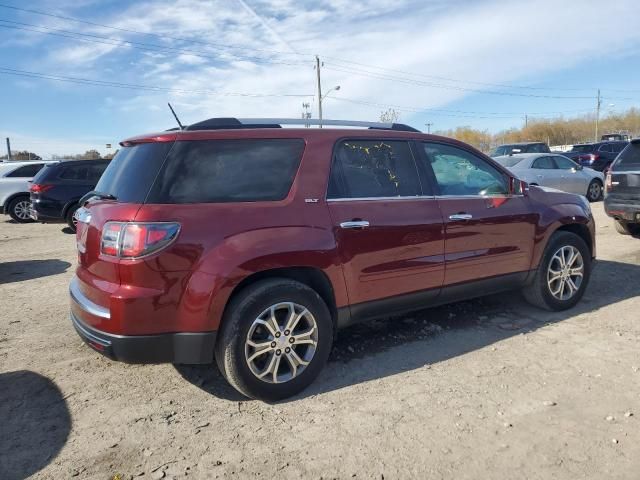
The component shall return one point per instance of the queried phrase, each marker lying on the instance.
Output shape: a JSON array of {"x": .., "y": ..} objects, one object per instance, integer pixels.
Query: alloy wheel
[
  {"x": 595, "y": 190},
  {"x": 565, "y": 272},
  {"x": 22, "y": 209},
  {"x": 281, "y": 342}
]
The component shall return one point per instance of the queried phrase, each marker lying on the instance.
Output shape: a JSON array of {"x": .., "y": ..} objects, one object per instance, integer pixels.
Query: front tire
[
  {"x": 563, "y": 274},
  {"x": 19, "y": 209},
  {"x": 625, "y": 228},
  {"x": 275, "y": 339},
  {"x": 594, "y": 191}
]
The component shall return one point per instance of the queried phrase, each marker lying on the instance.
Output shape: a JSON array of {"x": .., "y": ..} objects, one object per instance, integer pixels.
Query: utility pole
[
  {"x": 319, "y": 90},
  {"x": 428, "y": 127},
  {"x": 598, "y": 103},
  {"x": 8, "y": 150}
]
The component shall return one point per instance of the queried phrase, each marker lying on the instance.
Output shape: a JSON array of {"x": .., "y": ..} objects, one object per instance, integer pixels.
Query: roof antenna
[{"x": 175, "y": 116}]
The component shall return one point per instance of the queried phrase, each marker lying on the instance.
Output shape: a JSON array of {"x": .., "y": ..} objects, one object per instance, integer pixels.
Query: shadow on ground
[
  {"x": 68, "y": 231},
  {"x": 35, "y": 423},
  {"x": 22, "y": 270},
  {"x": 381, "y": 348}
]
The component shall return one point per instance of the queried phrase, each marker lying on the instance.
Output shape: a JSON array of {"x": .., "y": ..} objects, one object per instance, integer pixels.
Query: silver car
[{"x": 555, "y": 171}]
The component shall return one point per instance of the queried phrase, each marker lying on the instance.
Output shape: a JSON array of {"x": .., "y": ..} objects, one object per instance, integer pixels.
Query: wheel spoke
[
  {"x": 293, "y": 363},
  {"x": 276, "y": 367},
  {"x": 293, "y": 320},
  {"x": 260, "y": 349},
  {"x": 306, "y": 337},
  {"x": 297, "y": 358},
  {"x": 269, "y": 368},
  {"x": 572, "y": 286},
  {"x": 576, "y": 272}
]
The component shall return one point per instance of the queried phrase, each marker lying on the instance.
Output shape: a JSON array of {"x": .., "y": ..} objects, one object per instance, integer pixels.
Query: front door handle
[
  {"x": 461, "y": 216},
  {"x": 354, "y": 224}
]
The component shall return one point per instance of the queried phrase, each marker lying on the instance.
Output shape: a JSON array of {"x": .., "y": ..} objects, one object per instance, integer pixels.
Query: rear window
[
  {"x": 629, "y": 158},
  {"x": 582, "y": 149},
  {"x": 209, "y": 171},
  {"x": 509, "y": 161},
  {"x": 27, "y": 171},
  {"x": 131, "y": 172}
]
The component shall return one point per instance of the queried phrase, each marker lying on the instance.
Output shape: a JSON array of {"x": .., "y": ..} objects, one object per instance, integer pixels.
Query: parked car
[
  {"x": 556, "y": 171},
  {"x": 14, "y": 187},
  {"x": 522, "y": 147},
  {"x": 598, "y": 156},
  {"x": 253, "y": 245},
  {"x": 622, "y": 193},
  {"x": 55, "y": 191},
  {"x": 621, "y": 136}
]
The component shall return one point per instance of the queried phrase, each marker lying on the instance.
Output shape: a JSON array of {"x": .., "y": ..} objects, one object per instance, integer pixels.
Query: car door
[
  {"x": 17, "y": 180},
  {"x": 489, "y": 232},
  {"x": 545, "y": 173},
  {"x": 572, "y": 176},
  {"x": 387, "y": 225}
]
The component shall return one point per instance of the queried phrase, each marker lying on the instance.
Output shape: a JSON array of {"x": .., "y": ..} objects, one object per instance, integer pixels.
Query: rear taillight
[
  {"x": 593, "y": 157},
  {"x": 609, "y": 181},
  {"x": 135, "y": 240},
  {"x": 39, "y": 188}
]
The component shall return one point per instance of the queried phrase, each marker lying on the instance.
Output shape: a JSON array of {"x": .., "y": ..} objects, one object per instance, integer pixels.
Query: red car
[{"x": 251, "y": 244}]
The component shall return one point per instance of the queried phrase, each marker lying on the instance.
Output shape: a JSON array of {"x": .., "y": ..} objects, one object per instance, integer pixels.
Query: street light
[{"x": 322, "y": 97}]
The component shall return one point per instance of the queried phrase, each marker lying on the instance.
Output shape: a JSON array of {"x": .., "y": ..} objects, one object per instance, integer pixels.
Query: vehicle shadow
[
  {"x": 68, "y": 231},
  {"x": 35, "y": 423},
  {"x": 382, "y": 348},
  {"x": 22, "y": 270}
]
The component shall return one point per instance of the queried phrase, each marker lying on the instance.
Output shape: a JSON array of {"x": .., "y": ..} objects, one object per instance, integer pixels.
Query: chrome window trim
[
  {"x": 385, "y": 199},
  {"x": 445, "y": 197},
  {"x": 84, "y": 303}
]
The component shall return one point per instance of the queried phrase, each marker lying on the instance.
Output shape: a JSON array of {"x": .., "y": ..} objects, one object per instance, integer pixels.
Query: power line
[
  {"x": 85, "y": 37},
  {"x": 138, "y": 32},
  {"x": 455, "y": 113},
  {"x": 133, "y": 86}
]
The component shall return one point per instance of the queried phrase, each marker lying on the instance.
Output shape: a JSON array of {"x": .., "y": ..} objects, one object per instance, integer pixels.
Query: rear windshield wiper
[{"x": 96, "y": 194}]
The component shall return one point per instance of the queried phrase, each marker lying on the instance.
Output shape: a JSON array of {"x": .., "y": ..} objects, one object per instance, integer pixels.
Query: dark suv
[
  {"x": 254, "y": 245},
  {"x": 598, "y": 156},
  {"x": 56, "y": 189},
  {"x": 622, "y": 192}
]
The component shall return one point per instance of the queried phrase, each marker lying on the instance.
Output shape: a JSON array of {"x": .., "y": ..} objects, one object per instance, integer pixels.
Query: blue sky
[{"x": 448, "y": 62}]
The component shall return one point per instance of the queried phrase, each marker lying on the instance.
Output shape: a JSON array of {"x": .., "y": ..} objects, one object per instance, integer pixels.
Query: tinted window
[
  {"x": 96, "y": 170},
  {"x": 228, "y": 171},
  {"x": 629, "y": 158},
  {"x": 582, "y": 148},
  {"x": 535, "y": 148},
  {"x": 564, "y": 163},
  {"x": 131, "y": 172},
  {"x": 459, "y": 172},
  {"x": 27, "y": 171},
  {"x": 605, "y": 148},
  {"x": 503, "y": 150},
  {"x": 618, "y": 147},
  {"x": 373, "y": 168},
  {"x": 74, "y": 172},
  {"x": 545, "y": 163}
]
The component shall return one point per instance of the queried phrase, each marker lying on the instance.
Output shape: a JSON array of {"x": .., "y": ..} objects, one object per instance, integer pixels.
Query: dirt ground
[{"x": 484, "y": 389}]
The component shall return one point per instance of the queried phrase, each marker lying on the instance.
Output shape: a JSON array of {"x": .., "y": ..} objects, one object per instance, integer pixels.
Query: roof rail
[{"x": 238, "y": 123}]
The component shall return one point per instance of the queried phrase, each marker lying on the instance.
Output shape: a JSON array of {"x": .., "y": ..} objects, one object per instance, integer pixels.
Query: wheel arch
[
  {"x": 580, "y": 230},
  {"x": 312, "y": 277},
  {"x": 11, "y": 198}
]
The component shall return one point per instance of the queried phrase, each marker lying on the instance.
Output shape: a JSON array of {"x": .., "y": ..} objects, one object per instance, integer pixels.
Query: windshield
[
  {"x": 504, "y": 150},
  {"x": 582, "y": 148}
]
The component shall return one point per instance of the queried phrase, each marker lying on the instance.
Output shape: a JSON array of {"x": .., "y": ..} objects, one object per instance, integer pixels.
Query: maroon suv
[{"x": 252, "y": 244}]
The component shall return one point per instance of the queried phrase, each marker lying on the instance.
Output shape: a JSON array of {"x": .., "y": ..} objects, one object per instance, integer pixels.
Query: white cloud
[{"x": 497, "y": 41}]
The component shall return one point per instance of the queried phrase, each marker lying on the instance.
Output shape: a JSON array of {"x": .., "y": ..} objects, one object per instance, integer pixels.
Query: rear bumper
[
  {"x": 188, "y": 348},
  {"x": 626, "y": 211}
]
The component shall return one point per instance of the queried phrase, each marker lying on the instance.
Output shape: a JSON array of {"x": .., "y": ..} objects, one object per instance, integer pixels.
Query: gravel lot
[{"x": 491, "y": 388}]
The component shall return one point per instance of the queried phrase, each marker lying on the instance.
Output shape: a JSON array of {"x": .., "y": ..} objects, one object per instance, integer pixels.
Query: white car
[
  {"x": 555, "y": 171},
  {"x": 14, "y": 188}
]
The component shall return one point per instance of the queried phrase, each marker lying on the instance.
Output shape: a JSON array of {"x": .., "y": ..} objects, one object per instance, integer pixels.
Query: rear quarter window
[
  {"x": 629, "y": 158},
  {"x": 211, "y": 171}
]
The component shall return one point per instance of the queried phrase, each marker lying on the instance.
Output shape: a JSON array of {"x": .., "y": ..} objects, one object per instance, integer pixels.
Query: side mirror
[{"x": 577, "y": 168}]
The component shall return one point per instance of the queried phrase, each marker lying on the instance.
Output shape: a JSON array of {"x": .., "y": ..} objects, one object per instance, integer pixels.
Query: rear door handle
[
  {"x": 354, "y": 224},
  {"x": 461, "y": 216}
]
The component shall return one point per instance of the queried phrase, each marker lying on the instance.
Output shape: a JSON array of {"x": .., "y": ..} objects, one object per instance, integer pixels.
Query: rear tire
[
  {"x": 558, "y": 284},
  {"x": 626, "y": 228},
  {"x": 70, "y": 217},
  {"x": 245, "y": 333},
  {"x": 594, "y": 191},
  {"x": 19, "y": 209}
]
